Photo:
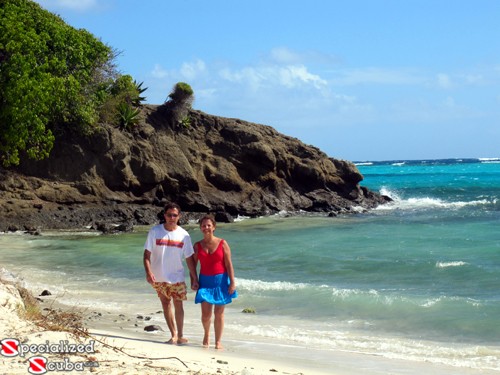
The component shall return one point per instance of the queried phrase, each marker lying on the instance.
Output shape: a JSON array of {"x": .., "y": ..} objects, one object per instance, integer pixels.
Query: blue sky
[{"x": 361, "y": 80}]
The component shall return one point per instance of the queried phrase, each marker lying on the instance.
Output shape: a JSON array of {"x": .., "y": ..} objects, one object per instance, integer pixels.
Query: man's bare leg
[
  {"x": 169, "y": 318},
  {"x": 206, "y": 319},
  {"x": 179, "y": 319},
  {"x": 218, "y": 325}
]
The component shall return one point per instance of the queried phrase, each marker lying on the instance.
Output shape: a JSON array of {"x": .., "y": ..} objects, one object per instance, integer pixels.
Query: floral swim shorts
[{"x": 175, "y": 291}]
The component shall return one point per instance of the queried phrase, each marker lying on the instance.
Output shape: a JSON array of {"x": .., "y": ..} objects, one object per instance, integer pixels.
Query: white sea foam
[
  {"x": 345, "y": 293},
  {"x": 431, "y": 302},
  {"x": 450, "y": 264},
  {"x": 259, "y": 285},
  {"x": 241, "y": 218},
  {"x": 425, "y": 202},
  {"x": 364, "y": 163},
  {"x": 333, "y": 337},
  {"x": 488, "y": 159}
]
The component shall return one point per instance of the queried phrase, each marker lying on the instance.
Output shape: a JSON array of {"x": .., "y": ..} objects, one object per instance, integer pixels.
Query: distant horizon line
[{"x": 469, "y": 159}]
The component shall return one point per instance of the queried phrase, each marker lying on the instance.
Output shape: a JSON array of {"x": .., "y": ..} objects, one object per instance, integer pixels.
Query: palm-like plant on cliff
[
  {"x": 122, "y": 102},
  {"x": 128, "y": 116}
]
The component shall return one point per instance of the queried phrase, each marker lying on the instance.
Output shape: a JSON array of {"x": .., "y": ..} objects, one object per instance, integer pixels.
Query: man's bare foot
[
  {"x": 182, "y": 341},
  {"x": 218, "y": 345},
  {"x": 172, "y": 341}
]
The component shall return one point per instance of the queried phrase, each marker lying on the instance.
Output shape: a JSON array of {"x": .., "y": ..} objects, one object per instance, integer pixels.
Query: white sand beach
[{"x": 118, "y": 353}]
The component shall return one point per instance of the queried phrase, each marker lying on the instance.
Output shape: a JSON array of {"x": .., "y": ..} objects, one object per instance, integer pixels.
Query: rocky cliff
[{"x": 214, "y": 164}]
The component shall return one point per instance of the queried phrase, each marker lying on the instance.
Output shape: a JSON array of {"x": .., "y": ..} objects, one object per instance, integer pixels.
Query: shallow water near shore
[{"x": 415, "y": 282}]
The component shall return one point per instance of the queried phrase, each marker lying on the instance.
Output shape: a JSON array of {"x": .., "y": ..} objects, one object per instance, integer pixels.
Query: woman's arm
[
  {"x": 192, "y": 263},
  {"x": 229, "y": 267}
]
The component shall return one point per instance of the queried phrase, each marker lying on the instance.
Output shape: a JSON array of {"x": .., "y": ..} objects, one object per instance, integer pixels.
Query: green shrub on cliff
[
  {"x": 120, "y": 106},
  {"x": 182, "y": 94},
  {"x": 53, "y": 78},
  {"x": 180, "y": 101}
]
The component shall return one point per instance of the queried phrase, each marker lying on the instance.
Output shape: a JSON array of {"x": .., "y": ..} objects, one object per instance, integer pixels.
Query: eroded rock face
[{"x": 214, "y": 165}]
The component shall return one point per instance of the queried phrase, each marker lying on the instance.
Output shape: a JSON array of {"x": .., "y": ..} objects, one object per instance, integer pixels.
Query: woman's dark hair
[{"x": 208, "y": 217}]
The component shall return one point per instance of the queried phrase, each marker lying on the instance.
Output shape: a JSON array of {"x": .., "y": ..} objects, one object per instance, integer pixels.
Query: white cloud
[
  {"x": 283, "y": 55},
  {"x": 444, "y": 81},
  {"x": 290, "y": 76},
  {"x": 207, "y": 93},
  {"x": 190, "y": 71},
  {"x": 474, "y": 79},
  {"x": 372, "y": 75},
  {"x": 159, "y": 72}
]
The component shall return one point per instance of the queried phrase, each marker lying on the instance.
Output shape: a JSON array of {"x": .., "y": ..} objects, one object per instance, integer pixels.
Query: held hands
[
  {"x": 150, "y": 278},
  {"x": 194, "y": 282},
  {"x": 232, "y": 288},
  {"x": 194, "y": 285}
]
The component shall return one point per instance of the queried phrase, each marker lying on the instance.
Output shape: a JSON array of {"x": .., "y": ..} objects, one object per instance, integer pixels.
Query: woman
[{"x": 216, "y": 280}]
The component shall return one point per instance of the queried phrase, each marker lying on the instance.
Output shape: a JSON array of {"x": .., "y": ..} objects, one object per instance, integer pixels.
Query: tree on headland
[
  {"x": 180, "y": 101},
  {"x": 53, "y": 79}
]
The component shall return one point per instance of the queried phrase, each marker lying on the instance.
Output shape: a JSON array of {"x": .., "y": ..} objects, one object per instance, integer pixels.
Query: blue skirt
[{"x": 214, "y": 290}]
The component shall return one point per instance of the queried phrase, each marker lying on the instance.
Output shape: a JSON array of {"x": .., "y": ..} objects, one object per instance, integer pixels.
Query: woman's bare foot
[
  {"x": 172, "y": 341},
  {"x": 218, "y": 345},
  {"x": 182, "y": 341}
]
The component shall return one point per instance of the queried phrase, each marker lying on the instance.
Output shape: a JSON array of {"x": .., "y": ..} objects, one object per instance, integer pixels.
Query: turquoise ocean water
[{"x": 415, "y": 280}]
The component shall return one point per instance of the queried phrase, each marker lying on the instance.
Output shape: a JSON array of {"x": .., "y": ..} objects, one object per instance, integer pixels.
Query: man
[{"x": 166, "y": 246}]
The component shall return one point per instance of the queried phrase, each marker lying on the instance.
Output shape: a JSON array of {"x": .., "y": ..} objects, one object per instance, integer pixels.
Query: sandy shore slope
[
  {"x": 105, "y": 352},
  {"x": 110, "y": 349}
]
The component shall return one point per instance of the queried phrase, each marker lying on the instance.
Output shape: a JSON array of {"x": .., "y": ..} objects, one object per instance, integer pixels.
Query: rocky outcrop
[{"x": 215, "y": 164}]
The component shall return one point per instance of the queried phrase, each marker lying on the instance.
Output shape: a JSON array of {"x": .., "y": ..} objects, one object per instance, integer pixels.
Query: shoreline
[
  {"x": 126, "y": 330},
  {"x": 120, "y": 350},
  {"x": 286, "y": 346}
]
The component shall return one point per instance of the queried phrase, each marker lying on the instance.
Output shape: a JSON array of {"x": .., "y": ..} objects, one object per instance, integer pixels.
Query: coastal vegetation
[
  {"x": 63, "y": 100},
  {"x": 55, "y": 79},
  {"x": 179, "y": 102},
  {"x": 49, "y": 318}
]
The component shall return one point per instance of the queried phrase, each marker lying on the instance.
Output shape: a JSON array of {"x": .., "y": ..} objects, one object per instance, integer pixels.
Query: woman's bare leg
[
  {"x": 206, "y": 319},
  {"x": 218, "y": 325}
]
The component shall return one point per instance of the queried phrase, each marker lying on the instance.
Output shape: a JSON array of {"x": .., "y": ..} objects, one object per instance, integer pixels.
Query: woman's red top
[{"x": 211, "y": 264}]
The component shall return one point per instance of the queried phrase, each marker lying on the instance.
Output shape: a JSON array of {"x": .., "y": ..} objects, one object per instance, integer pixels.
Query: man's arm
[
  {"x": 190, "y": 261},
  {"x": 150, "y": 278}
]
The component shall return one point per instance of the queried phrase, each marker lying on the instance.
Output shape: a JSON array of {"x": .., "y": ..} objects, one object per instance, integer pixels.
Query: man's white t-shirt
[{"x": 168, "y": 249}]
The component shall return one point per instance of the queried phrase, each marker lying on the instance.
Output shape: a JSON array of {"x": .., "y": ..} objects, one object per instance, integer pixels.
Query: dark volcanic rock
[
  {"x": 152, "y": 328},
  {"x": 220, "y": 165}
]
